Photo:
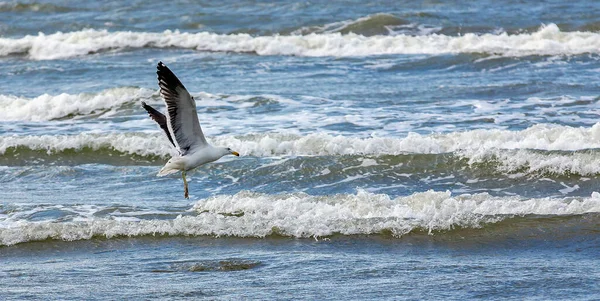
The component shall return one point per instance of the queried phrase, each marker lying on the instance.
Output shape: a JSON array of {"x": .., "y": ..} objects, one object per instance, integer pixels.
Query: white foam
[
  {"x": 522, "y": 162},
  {"x": 545, "y": 148},
  {"x": 47, "y": 107},
  {"x": 540, "y": 137},
  {"x": 107, "y": 102},
  {"x": 548, "y": 40},
  {"x": 248, "y": 214},
  {"x": 150, "y": 144}
]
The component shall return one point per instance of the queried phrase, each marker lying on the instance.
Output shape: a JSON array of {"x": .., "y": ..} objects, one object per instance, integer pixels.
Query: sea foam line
[
  {"x": 143, "y": 144},
  {"x": 250, "y": 214},
  {"x": 47, "y": 107},
  {"x": 548, "y": 40},
  {"x": 474, "y": 143},
  {"x": 540, "y": 148}
]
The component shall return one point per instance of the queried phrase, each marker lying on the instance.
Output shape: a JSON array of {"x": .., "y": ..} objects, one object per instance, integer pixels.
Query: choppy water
[{"x": 432, "y": 150}]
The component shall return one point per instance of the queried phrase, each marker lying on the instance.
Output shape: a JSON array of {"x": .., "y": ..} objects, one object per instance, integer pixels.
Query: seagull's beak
[{"x": 235, "y": 153}]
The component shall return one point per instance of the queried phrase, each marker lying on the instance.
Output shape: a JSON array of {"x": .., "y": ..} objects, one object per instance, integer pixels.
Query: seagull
[{"x": 182, "y": 128}]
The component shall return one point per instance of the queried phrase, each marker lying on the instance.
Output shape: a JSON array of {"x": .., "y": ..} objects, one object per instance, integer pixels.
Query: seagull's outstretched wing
[
  {"x": 182, "y": 120},
  {"x": 160, "y": 119}
]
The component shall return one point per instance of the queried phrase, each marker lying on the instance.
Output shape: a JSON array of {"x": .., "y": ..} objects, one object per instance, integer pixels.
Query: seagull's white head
[{"x": 229, "y": 151}]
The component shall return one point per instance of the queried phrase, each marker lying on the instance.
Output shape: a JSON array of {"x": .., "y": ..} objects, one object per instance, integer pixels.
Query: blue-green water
[{"x": 407, "y": 151}]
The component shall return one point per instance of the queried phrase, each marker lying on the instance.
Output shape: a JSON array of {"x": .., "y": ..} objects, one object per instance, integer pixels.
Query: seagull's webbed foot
[{"x": 185, "y": 186}]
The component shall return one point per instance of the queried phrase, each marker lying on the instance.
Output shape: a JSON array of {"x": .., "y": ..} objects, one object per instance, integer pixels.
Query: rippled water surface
[{"x": 407, "y": 151}]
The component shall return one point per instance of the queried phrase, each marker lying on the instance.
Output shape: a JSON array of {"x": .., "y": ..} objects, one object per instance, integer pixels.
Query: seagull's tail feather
[
  {"x": 174, "y": 165},
  {"x": 165, "y": 171}
]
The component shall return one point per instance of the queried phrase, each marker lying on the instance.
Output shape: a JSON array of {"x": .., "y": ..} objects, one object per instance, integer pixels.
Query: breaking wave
[
  {"x": 249, "y": 214},
  {"x": 540, "y": 148},
  {"x": 107, "y": 102},
  {"x": 548, "y": 40},
  {"x": 141, "y": 144},
  {"x": 48, "y": 107}
]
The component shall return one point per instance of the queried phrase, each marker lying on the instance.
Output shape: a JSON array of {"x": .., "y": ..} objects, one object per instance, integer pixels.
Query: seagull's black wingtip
[
  {"x": 166, "y": 78},
  {"x": 162, "y": 68}
]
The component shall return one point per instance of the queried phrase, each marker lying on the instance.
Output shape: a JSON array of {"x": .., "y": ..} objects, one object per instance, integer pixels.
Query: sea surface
[{"x": 438, "y": 150}]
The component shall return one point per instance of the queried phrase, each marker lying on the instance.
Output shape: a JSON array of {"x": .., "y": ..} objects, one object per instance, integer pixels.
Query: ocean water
[{"x": 433, "y": 150}]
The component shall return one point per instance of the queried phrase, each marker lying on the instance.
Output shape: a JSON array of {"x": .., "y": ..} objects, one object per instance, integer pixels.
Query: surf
[
  {"x": 299, "y": 215},
  {"x": 548, "y": 40}
]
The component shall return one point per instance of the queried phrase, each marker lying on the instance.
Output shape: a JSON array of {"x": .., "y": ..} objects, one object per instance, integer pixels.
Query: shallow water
[
  {"x": 280, "y": 268},
  {"x": 432, "y": 150}
]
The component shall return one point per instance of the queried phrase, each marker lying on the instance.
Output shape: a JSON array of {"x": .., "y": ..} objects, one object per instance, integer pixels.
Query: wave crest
[
  {"x": 48, "y": 107},
  {"x": 140, "y": 144},
  {"x": 538, "y": 149},
  {"x": 548, "y": 40},
  {"x": 376, "y": 24},
  {"x": 249, "y": 214}
]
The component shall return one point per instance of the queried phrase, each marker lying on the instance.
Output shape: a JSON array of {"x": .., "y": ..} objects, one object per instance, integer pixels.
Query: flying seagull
[{"x": 182, "y": 128}]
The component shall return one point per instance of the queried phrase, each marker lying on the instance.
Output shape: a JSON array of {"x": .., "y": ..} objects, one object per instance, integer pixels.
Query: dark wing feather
[
  {"x": 182, "y": 120},
  {"x": 160, "y": 119}
]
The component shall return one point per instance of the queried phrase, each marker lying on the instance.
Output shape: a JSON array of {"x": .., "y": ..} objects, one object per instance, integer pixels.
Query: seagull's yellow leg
[{"x": 185, "y": 186}]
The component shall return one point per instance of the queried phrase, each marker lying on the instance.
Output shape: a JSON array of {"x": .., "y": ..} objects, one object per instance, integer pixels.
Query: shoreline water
[{"x": 276, "y": 268}]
